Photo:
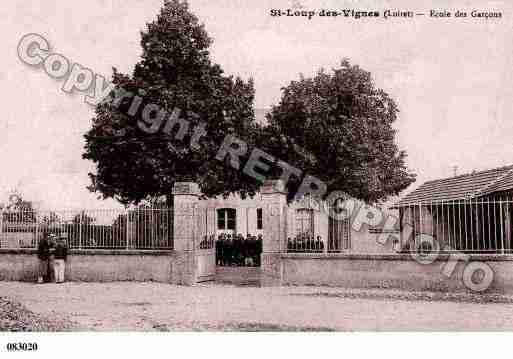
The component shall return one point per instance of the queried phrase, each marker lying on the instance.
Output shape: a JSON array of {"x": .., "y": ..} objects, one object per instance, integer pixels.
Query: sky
[{"x": 451, "y": 78}]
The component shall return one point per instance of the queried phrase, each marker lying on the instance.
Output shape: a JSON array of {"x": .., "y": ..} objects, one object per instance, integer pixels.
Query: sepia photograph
[{"x": 197, "y": 168}]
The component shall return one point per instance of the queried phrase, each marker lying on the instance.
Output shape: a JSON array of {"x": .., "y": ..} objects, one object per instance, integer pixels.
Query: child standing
[{"x": 60, "y": 256}]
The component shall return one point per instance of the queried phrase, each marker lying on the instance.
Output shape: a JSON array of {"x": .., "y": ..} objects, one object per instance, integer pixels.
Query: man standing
[
  {"x": 43, "y": 255},
  {"x": 259, "y": 249},
  {"x": 219, "y": 250},
  {"x": 60, "y": 256}
]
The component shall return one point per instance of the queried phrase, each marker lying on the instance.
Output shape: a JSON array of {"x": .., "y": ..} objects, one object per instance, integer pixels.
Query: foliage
[
  {"x": 175, "y": 71},
  {"x": 18, "y": 210},
  {"x": 337, "y": 127},
  {"x": 83, "y": 218}
]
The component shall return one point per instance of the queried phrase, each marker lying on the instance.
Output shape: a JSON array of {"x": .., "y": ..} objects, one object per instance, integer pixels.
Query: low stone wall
[
  {"x": 398, "y": 271},
  {"x": 105, "y": 266},
  {"x": 272, "y": 264},
  {"x": 205, "y": 260},
  {"x": 366, "y": 241}
]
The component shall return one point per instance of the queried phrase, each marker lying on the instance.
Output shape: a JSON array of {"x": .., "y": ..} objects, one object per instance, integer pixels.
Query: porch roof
[{"x": 467, "y": 186}]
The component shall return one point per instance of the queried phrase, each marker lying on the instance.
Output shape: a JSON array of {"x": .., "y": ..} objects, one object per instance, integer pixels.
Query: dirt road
[{"x": 211, "y": 306}]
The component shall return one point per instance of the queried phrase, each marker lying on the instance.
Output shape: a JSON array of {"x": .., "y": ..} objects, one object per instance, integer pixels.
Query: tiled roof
[
  {"x": 462, "y": 187},
  {"x": 502, "y": 184}
]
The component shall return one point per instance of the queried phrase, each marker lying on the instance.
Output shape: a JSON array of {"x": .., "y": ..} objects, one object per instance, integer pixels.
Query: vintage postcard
[{"x": 242, "y": 166}]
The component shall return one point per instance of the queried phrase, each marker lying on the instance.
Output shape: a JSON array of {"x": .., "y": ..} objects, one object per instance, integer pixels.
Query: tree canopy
[
  {"x": 337, "y": 126},
  {"x": 174, "y": 72}
]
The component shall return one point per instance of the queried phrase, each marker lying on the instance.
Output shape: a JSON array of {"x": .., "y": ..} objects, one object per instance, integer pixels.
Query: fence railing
[
  {"x": 322, "y": 231},
  {"x": 304, "y": 243},
  {"x": 473, "y": 226},
  {"x": 142, "y": 228}
]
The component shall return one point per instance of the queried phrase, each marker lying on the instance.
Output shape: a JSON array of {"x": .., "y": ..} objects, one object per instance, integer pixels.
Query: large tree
[
  {"x": 337, "y": 126},
  {"x": 175, "y": 72}
]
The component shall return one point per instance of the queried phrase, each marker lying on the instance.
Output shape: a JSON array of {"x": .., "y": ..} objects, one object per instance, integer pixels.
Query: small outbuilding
[{"x": 467, "y": 213}]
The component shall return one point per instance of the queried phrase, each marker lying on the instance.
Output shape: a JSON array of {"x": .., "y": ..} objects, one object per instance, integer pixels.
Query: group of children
[
  {"x": 305, "y": 242},
  {"x": 237, "y": 250},
  {"x": 52, "y": 252}
]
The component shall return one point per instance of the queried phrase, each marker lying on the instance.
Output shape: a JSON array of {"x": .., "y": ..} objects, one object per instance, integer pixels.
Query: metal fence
[
  {"x": 305, "y": 243},
  {"x": 205, "y": 227},
  {"x": 141, "y": 228},
  {"x": 319, "y": 231},
  {"x": 473, "y": 226}
]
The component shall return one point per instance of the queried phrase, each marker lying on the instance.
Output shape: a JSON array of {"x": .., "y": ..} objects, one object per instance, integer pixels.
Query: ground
[
  {"x": 230, "y": 304},
  {"x": 15, "y": 317}
]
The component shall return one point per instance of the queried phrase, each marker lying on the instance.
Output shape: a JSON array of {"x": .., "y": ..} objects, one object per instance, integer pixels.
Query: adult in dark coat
[
  {"x": 221, "y": 245},
  {"x": 322, "y": 245},
  {"x": 43, "y": 255},
  {"x": 258, "y": 249},
  {"x": 228, "y": 250},
  {"x": 319, "y": 245},
  {"x": 218, "y": 251},
  {"x": 241, "y": 249},
  {"x": 290, "y": 245}
]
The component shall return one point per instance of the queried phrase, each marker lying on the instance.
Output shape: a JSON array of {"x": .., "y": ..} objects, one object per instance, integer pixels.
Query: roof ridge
[
  {"x": 464, "y": 186},
  {"x": 500, "y": 178},
  {"x": 508, "y": 167}
]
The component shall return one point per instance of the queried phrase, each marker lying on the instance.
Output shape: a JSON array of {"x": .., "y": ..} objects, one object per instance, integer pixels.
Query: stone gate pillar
[
  {"x": 274, "y": 198},
  {"x": 183, "y": 266}
]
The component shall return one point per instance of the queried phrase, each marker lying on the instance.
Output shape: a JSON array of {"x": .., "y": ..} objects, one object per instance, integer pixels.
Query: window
[
  {"x": 260, "y": 224},
  {"x": 305, "y": 222},
  {"x": 338, "y": 235},
  {"x": 226, "y": 218}
]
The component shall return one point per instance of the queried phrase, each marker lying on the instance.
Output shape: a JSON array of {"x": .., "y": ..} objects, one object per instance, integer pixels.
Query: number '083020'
[{"x": 14, "y": 347}]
